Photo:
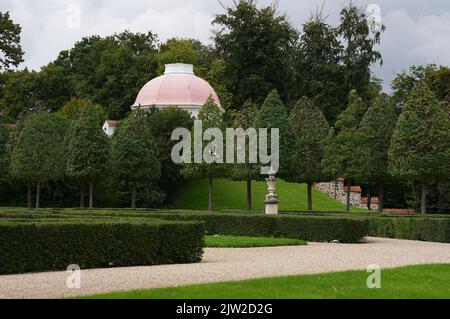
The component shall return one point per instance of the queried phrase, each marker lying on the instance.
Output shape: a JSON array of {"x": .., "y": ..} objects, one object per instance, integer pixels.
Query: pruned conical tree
[
  {"x": 311, "y": 130},
  {"x": 38, "y": 153},
  {"x": 211, "y": 117},
  {"x": 341, "y": 152},
  {"x": 420, "y": 148},
  {"x": 87, "y": 151},
  {"x": 134, "y": 152},
  {"x": 273, "y": 115},
  {"x": 376, "y": 131}
]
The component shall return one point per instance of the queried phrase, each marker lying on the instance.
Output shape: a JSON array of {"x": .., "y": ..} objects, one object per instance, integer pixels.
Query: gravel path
[{"x": 232, "y": 264}]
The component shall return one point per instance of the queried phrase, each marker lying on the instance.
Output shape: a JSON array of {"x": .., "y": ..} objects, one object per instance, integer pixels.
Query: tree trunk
[
  {"x": 210, "y": 193},
  {"x": 38, "y": 194},
  {"x": 249, "y": 194},
  {"x": 133, "y": 196},
  {"x": 82, "y": 197},
  {"x": 29, "y": 195},
  {"x": 91, "y": 195},
  {"x": 380, "y": 197},
  {"x": 423, "y": 206},
  {"x": 347, "y": 207},
  {"x": 310, "y": 197}
]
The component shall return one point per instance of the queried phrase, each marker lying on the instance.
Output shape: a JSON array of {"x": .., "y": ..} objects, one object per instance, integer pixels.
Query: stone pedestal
[{"x": 271, "y": 198}]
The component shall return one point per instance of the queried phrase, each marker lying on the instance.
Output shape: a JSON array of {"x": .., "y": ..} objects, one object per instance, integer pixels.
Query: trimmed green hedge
[
  {"x": 310, "y": 228},
  {"x": 43, "y": 245},
  {"x": 425, "y": 228}
]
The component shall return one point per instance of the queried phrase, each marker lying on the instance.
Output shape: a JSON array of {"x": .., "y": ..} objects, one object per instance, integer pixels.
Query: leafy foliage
[
  {"x": 87, "y": 147},
  {"x": 162, "y": 124},
  {"x": 255, "y": 45},
  {"x": 421, "y": 142},
  {"x": 134, "y": 152},
  {"x": 10, "y": 48},
  {"x": 42, "y": 245},
  {"x": 37, "y": 154},
  {"x": 273, "y": 115}
]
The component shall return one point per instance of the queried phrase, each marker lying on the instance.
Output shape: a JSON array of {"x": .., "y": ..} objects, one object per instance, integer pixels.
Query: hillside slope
[{"x": 229, "y": 194}]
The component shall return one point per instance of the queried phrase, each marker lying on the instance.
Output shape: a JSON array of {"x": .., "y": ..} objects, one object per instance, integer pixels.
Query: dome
[{"x": 179, "y": 86}]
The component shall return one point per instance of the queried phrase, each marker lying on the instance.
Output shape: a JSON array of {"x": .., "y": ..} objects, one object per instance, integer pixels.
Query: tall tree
[
  {"x": 311, "y": 130},
  {"x": 361, "y": 36},
  {"x": 247, "y": 171},
  {"x": 11, "y": 53},
  {"x": 377, "y": 127},
  {"x": 162, "y": 124},
  {"x": 87, "y": 151},
  {"x": 210, "y": 117},
  {"x": 38, "y": 154},
  {"x": 341, "y": 152},
  {"x": 134, "y": 153},
  {"x": 256, "y": 45},
  {"x": 273, "y": 115},
  {"x": 111, "y": 70},
  {"x": 420, "y": 148},
  {"x": 319, "y": 72}
]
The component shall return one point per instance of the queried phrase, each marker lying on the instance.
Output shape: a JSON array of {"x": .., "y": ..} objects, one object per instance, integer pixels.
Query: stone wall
[{"x": 338, "y": 191}]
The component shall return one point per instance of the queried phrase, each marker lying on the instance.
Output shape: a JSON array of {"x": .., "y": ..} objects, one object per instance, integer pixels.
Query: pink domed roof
[{"x": 178, "y": 86}]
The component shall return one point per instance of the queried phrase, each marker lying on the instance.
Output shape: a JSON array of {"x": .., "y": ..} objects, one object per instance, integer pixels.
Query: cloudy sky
[{"x": 418, "y": 31}]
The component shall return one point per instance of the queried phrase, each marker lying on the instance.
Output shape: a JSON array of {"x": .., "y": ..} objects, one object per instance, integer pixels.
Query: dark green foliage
[
  {"x": 162, "y": 124},
  {"x": 134, "y": 152},
  {"x": 54, "y": 245},
  {"x": 38, "y": 154},
  {"x": 87, "y": 147},
  {"x": 437, "y": 79},
  {"x": 320, "y": 75},
  {"x": 377, "y": 127},
  {"x": 360, "y": 36},
  {"x": 311, "y": 228},
  {"x": 111, "y": 70},
  {"x": 311, "y": 130},
  {"x": 375, "y": 135},
  {"x": 273, "y": 115},
  {"x": 426, "y": 229},
  {"x": 341, "y": 152},
  {"x": 420, "y": 148},
  {"x": 11, "y": 52},
  {"x": 256, "y": 44},
  {"x": 46, "y": 90}
]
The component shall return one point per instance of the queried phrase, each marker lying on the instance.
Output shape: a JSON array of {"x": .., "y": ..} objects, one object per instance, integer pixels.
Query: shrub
[
  {"x": 311, "y": 228},
  {"x": 416, "y": 228},
  {"x": 42, "y": 245}
]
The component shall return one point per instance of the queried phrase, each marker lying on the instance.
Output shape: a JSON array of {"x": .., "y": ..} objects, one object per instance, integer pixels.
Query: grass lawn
[
  {"x": 229, "y": 194},
  {"x": 242, "y": 242},
  {"x": 415, "y": 282}
]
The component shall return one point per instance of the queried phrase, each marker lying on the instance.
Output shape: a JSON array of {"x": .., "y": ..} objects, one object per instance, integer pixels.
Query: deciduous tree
[
  {"x": 311, "y": 130},
  {"x": 135, "y": 153},
  {"x": 420, "y": 148}
]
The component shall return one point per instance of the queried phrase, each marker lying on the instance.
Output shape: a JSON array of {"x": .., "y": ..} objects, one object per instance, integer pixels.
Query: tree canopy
[{"x": 10, "y": 47}]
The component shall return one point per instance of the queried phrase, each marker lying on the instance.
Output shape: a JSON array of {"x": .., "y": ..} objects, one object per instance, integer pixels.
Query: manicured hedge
[
  {"x": 310, "y": 228},
  {"x": 43, "y": 245},
  {"x": 425, "y": 228}
]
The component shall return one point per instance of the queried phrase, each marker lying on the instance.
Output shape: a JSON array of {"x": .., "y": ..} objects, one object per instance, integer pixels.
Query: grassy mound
[{"x": 229, "y": 194}]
